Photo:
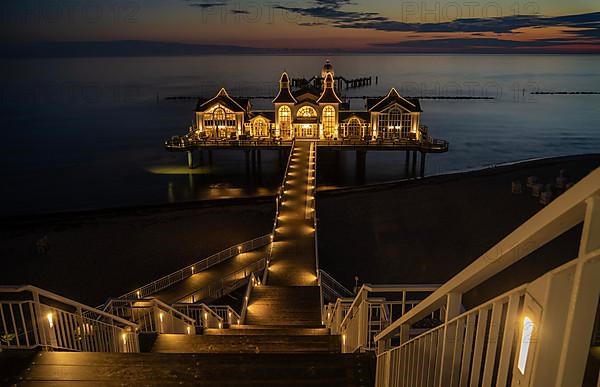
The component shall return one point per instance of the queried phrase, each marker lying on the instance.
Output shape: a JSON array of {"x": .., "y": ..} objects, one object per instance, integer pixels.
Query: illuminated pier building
[{"x": 309, "y": 113}]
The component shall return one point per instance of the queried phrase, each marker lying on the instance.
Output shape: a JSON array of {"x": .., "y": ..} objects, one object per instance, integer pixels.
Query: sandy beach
[
  {"x": 100, "y": 254},
  {"x": 407, "y": 232}
]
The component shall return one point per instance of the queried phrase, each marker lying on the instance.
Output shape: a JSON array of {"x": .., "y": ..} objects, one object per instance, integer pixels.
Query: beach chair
[
  {"x": 531, "y": 181},
  {"x": 536, "y": 190},
  {"x": 546, "y": 197}
]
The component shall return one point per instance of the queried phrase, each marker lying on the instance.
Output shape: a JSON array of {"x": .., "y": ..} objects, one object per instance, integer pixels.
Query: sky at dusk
[{"x": 355, "y": 25}]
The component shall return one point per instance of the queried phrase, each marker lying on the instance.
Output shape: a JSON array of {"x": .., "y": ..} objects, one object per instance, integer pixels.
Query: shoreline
[
  {"x": 408, "y": 231},
  {"x": 475, "y": 171},
  {"x": 262, "y": 199}
]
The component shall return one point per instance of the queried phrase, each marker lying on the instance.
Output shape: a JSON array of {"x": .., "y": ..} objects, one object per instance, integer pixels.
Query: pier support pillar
[
  {"x": 258, "y": 157},
  {"x": 423, "y": 154},
  {"x": 247, "y": 152},
  {"x": 414, "y": 163},
  {"x": 407, "y": 163},
  {"x": 210, "y": 157},
  {"x": 190, "y": 156}
]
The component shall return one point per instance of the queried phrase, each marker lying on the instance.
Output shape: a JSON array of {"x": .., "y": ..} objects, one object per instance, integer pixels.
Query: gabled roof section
[
  {"x": 347, "y": 115},
  {"x": 329, "y": 95},
  {"x": 393, "y": 97},
  {"x": 307, "y": 93},
  {"x": 285, "y": 94},
  {"x": 223, "y": 98}
]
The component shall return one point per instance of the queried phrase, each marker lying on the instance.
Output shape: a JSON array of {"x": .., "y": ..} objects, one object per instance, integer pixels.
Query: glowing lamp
[
  {"x": 525, "y": 341},
  {"x": 50, "y": 322}
]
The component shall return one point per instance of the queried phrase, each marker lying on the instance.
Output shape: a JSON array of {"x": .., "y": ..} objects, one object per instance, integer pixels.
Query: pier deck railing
[
  {"x": 33, "y": 318},
  {"x": 184, "y": 142},
  {"x": 188, "y": 271},
  {"x": 536, "y": 334},
  {"x": 152, "y": 315}
]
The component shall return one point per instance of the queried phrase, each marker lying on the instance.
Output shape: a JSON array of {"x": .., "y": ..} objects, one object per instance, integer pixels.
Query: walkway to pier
[
  {"x": 291, "y": 296},
  {"x": 293, "y": 258},
  {"x": 230, "y": 271}
]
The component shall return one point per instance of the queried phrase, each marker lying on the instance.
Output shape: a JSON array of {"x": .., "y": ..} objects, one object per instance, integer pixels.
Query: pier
[{"x": 416, "y": 151}]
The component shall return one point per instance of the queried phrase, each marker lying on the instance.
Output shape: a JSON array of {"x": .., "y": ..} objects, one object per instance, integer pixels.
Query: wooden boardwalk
[
  {"x": 291, "y": 296},
  {"x": 212, "y": 276}
]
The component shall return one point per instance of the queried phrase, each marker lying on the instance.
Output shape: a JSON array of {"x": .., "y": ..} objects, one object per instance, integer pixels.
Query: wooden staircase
[{"x": 285, "y": 306}]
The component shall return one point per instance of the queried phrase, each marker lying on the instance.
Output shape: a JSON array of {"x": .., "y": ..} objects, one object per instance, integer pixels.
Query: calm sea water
[{"x": 88, "y": 133}]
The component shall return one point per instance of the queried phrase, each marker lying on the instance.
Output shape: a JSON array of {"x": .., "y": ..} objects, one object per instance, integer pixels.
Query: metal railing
[
  {"x": 408, "y": 143},
  {"x": 332, "y": 289},
  {"x": 251, "y": 283},
  {"x": 188, "y": 271},
  {"x": 34, "y": 318},
  {"x": 203, "y": 315},
  {"x": 152, "y": 315},
  {"x": 184, "y": 142},
  {"x": 512, "y": 339},
  {"x": 358, "y": 320},
  {"x": 278, "y": 204},
  {"x": 227, "y": 313},
  {"x": 225, "y": 285}
]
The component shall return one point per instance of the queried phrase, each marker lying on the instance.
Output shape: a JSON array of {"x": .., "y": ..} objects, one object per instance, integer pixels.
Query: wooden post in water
[
  {"x": 423, "y": 154},
  {"x": 407, "y": 163},
  {"x": 414, "y": 164}
]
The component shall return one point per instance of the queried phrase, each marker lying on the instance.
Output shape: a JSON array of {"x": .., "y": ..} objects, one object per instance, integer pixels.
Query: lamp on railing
[{"x": 50, "y": 320}]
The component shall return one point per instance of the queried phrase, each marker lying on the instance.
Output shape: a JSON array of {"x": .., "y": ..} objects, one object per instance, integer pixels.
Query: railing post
[
  {"x": 583, "y": 303},
  {"x": 41, "y": 322},
  {"x": 453, "y": 305}
]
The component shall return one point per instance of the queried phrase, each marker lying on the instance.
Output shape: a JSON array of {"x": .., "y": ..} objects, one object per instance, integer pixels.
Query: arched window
[
  {"x": 306, "y": 111},
  {"x": 285, "y": 121},
  {"x": 260, "y": 128},
  {"x": 354, "y": 128},
  {"x": 328, "y": 121}
]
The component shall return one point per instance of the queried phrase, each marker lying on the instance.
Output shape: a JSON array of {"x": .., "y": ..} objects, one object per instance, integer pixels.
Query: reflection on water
[{"x": 63, "y": 150}]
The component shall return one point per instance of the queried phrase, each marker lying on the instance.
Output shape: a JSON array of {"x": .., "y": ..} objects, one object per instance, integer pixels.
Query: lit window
[
  {"x": 307, "y": 111},
  {"x": 354, "y": 128},
  {"x": 328, "y": 120}
]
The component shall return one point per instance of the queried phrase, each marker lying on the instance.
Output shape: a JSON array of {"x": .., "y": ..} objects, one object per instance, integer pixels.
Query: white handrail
[
  {"x": 365, "y": 315},
  {"x": 251, "y": 283},
  {"x": 511, "y": 339},
  {"x": 49, "y": 321},
  {"x": 152, "y": 315},
  {"x": 227, "y": 313},
  {"x": 563, "y": 213},
  {"x": 203, "y": 315}
]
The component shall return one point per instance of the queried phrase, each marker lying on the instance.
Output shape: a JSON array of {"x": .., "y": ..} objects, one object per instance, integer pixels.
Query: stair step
[
  {"x": 169, "y": 343},
  {"x": 156, "y": 369},
  {"x": 267, "y": 330},
  {"x": 285, "y": 305}
]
